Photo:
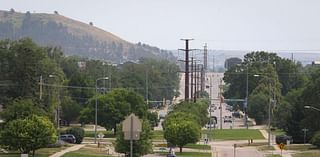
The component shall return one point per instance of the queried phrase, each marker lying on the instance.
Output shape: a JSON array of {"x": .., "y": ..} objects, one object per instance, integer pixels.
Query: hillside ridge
[{"x": 74, "y": 37}]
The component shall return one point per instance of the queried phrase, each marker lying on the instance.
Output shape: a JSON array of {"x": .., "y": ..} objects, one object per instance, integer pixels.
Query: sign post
[
  {"x": 132, "y": 128},
  {"x": 234, "y": 150}
]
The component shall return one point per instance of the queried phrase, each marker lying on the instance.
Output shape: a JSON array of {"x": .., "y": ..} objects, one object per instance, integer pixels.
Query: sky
[{"x": 270, "y": 25}]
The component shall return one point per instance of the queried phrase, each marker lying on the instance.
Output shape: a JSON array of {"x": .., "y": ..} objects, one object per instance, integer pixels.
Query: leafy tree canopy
[
  {"x": 140, "y": 147},
  {"x": 28, "y": 134},
  {"x": 179, "y": 133}
]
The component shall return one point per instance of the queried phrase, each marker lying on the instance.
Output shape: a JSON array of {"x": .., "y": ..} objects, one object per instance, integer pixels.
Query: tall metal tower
[
  {"x": 205, "y": 57},
  {"x": 186, "y": 84}
]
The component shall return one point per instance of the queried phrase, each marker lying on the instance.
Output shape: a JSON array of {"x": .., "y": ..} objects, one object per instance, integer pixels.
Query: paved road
[{"x": 226, "y": 149}]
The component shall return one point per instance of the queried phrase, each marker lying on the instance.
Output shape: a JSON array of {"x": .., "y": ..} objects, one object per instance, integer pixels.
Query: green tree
[
  {"x": 70, "y": 109},
  {"x": 179, "y": 133},
  {"x": 284, "y": 115},
  {"x": 316, "y": 139},
  {"x": 114, "y": 106},
  {"x": 140, "y": 147},
  {"x": 269, "y": 88},
  {"x": 80, "y": 95},
  {"x": 28, "y": 134},
  {"x": 308, "y": 118},
  {"x": 161, "y": 75},
  {"x": 256, "y": 63},
  {"x": 153, "y": 118},
  {"x": 22, "y": 63},
  {"x": 180, "y": 116},
  {"x": 199, "y": 109},
  {"x": 20, "y": 109}
]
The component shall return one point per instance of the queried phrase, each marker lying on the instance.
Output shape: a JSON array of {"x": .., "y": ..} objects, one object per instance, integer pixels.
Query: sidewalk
[
  {"x": 264, "y": 133},
  {"x": 70, "y": 149}
]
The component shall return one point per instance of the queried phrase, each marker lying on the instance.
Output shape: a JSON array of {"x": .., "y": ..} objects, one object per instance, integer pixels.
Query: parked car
[
  {"x": 283, "y": 139},
  {"x": 68, "y": 138}
]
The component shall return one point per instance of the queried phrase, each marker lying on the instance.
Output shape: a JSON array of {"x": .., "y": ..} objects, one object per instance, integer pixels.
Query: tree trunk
[
  {"x": 115, "y": 129},
  {"x": 33, "y": 152},
  {"x": 180, "y": 149}
]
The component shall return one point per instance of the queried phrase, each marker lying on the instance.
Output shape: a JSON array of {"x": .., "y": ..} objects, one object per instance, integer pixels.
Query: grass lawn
[
  {"x": 225, "y": 134},
  {"x": 278, "y": 132},
  {"x": 107, "y": 134},
  {"x": 198, "y": 146},
  {"x": 87, "y": 152},
  {"x": 307, "y": 154},
  {"x": 157, "y": 135},
  {"x": 190, "y": 154},
  {"x": 233, "y": 134},
  {"x": 43, "y": 152},
  {"x": 300, "y": 147}
]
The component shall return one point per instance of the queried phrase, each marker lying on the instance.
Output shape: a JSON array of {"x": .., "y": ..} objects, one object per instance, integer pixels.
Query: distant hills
[{"x": 74, "y": 37}]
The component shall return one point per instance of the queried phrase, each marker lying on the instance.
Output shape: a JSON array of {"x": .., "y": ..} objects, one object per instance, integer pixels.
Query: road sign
[
  {"x": 132, "y": 128},
  {"x": 281, "y": 146}
]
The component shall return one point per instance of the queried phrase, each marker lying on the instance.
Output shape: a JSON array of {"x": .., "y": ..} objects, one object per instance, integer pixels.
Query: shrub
[
  {"x": 76, "y": 132},
  {"x": 316, "y": 139}
]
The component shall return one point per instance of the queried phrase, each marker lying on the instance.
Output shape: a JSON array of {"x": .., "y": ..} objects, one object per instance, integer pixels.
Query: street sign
[
  {"x": 281, "y": 146},
  {"x": 132, "y": 128}
]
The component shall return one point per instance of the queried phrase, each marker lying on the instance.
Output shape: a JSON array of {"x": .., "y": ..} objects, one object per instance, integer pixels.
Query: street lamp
[
  {"x": 57, "y": 112},
  {"x": 269, "y": 112},
  {"x": 245, "y": 105},
  {"x": 246, "y": 101},
  {"x": 308, "y": 107},
  {"x": 96, "y": 109}
]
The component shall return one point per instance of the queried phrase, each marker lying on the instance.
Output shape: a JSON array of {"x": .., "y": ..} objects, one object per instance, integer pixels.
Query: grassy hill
[{"x": 74, "y": 37}]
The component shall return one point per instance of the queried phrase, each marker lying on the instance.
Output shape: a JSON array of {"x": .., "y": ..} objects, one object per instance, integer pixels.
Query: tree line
[
  {"x": 286, "y": 85},
  {"x": 39, "y": 82}
]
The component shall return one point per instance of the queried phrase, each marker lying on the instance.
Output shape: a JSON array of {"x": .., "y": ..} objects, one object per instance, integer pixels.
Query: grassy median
[{"x": 233, "y": 134}]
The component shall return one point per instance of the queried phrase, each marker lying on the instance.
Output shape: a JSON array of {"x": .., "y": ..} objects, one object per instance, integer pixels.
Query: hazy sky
[{"x": 223, "y": 24}]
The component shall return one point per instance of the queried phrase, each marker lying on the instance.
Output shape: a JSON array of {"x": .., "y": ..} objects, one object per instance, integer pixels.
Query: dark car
[
  {"x": 68, "y": 138},
  {"x": 283, "y": 139}
]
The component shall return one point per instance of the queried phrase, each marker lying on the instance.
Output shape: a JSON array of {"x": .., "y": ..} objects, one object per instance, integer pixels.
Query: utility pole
[
  {"x": 220, "y": 96},
  {"x": 205, "y": 57},
  {"x": 186, "y": 84},
  {"x": 213, "y": 68},
  {"x": 202, "y": 79},
  {"x": 198, "y": 81},
  {"x": 191, "y": 75},
  {"x": 246, "y": 100},
  {"x": 195, "y": 83},
  {"x": 41, "y": 82},
  {"x": 147, "y": 89}
]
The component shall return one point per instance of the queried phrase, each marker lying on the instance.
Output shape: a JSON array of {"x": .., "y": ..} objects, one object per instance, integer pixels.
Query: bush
[
  {"x": 316, "y": 139},
  {"x": 76, "y": 132}
]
